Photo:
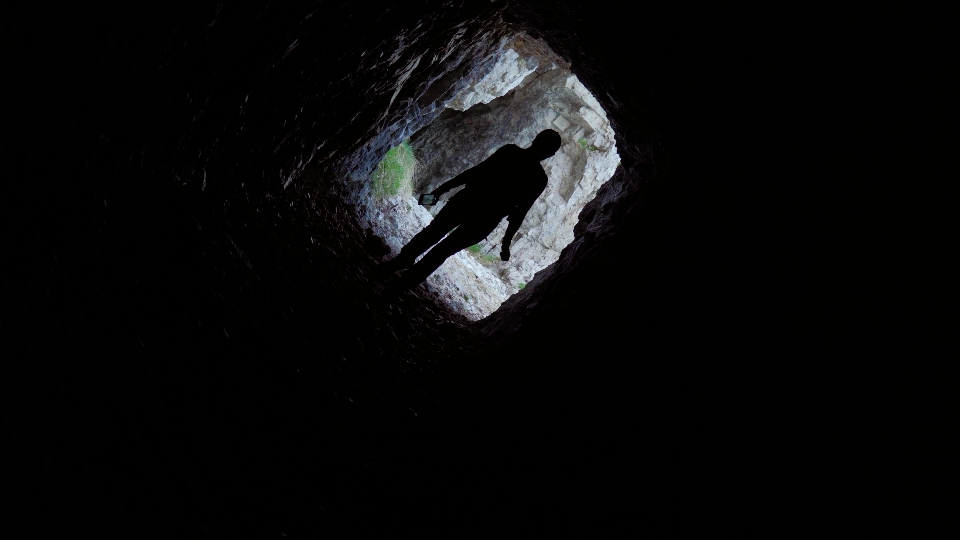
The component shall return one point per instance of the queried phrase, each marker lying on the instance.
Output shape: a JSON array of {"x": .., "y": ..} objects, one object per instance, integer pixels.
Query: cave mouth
[{"x": 518, "y": 91}]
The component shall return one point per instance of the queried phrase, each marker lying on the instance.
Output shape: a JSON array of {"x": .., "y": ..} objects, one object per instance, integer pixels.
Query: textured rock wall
[
  {"x": 552, "y": 98},
  {"x": 518, "y": 57},
  {"x": 461, "y": 282},
  {"x": 519, "y": 88},
  {"x": 462, "y": 72},
  {"x": 454, "y": 64}
]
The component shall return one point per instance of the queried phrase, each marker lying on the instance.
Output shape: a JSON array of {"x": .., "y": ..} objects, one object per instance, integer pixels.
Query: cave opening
[{"x": 506, "y": 96}]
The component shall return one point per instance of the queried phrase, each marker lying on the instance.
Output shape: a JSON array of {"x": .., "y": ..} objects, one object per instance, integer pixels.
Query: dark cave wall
[
  {"x": 703, "y": 303},
  {"x": 241, "y": 91},
  {"x": 153, "y": 245},
  {"x": 165, "y": 292}
]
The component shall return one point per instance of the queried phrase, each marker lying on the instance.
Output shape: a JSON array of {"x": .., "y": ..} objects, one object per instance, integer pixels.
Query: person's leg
[
  {"x": 449, "y": 217},
  {"x": 464, "y": 236}
]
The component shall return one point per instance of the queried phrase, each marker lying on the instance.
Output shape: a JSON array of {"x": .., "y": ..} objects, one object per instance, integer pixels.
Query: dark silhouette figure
[{"x": 505, "y": 184}]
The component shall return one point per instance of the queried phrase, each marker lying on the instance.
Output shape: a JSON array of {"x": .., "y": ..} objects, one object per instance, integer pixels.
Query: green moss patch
[{"x": 394, "y": 174}]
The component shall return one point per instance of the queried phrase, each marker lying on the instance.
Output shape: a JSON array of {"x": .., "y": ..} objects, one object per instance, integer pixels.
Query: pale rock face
[
  {"x": 527, "y": 89},
  {"x": 519, "y": 57},
  {"x": 461, "y": 281},
  {"x": 506, "y": 75}
]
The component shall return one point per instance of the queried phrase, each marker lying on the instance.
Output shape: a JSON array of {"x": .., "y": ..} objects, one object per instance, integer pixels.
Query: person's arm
[
  {"x": 512, "y": 226},
  {"x": 457, "y": 181},
  {"x": 515, "y": 219}
]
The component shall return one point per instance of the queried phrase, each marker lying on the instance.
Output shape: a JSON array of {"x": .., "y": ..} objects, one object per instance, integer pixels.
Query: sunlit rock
[{"x": 524, "y": 90}]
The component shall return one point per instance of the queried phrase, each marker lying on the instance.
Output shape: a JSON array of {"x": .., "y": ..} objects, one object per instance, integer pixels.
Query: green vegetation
[
  {"x": 586, "y": 145},
  {"x": 485, "y": 258},
  {"x": 521, "y": 285},
  {"x": 394, "y": 175}
]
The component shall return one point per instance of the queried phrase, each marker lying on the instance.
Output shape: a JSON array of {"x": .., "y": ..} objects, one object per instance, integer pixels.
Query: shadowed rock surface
[{"x": 193, "y": 348}]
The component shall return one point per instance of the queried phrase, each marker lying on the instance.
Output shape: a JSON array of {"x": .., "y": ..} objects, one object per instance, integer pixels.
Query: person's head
[{"x": 545, "y": 144}]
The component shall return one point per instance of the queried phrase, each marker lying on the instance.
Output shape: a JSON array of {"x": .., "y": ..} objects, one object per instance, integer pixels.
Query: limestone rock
[
  {"x": 461, "y": 281},
  {"x": 520, "y": 89},
  {"x": 554, "y": 99}
]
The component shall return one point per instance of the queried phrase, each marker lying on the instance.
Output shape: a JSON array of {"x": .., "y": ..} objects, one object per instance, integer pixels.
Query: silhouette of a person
[{"x": 505, "y": 184}]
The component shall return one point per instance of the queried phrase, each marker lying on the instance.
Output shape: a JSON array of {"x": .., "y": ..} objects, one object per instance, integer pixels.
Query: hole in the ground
[{"x": 525, "y": 89}]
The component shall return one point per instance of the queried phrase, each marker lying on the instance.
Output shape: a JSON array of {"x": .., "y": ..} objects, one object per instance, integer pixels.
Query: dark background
[{"x": 175, "y": 359}]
